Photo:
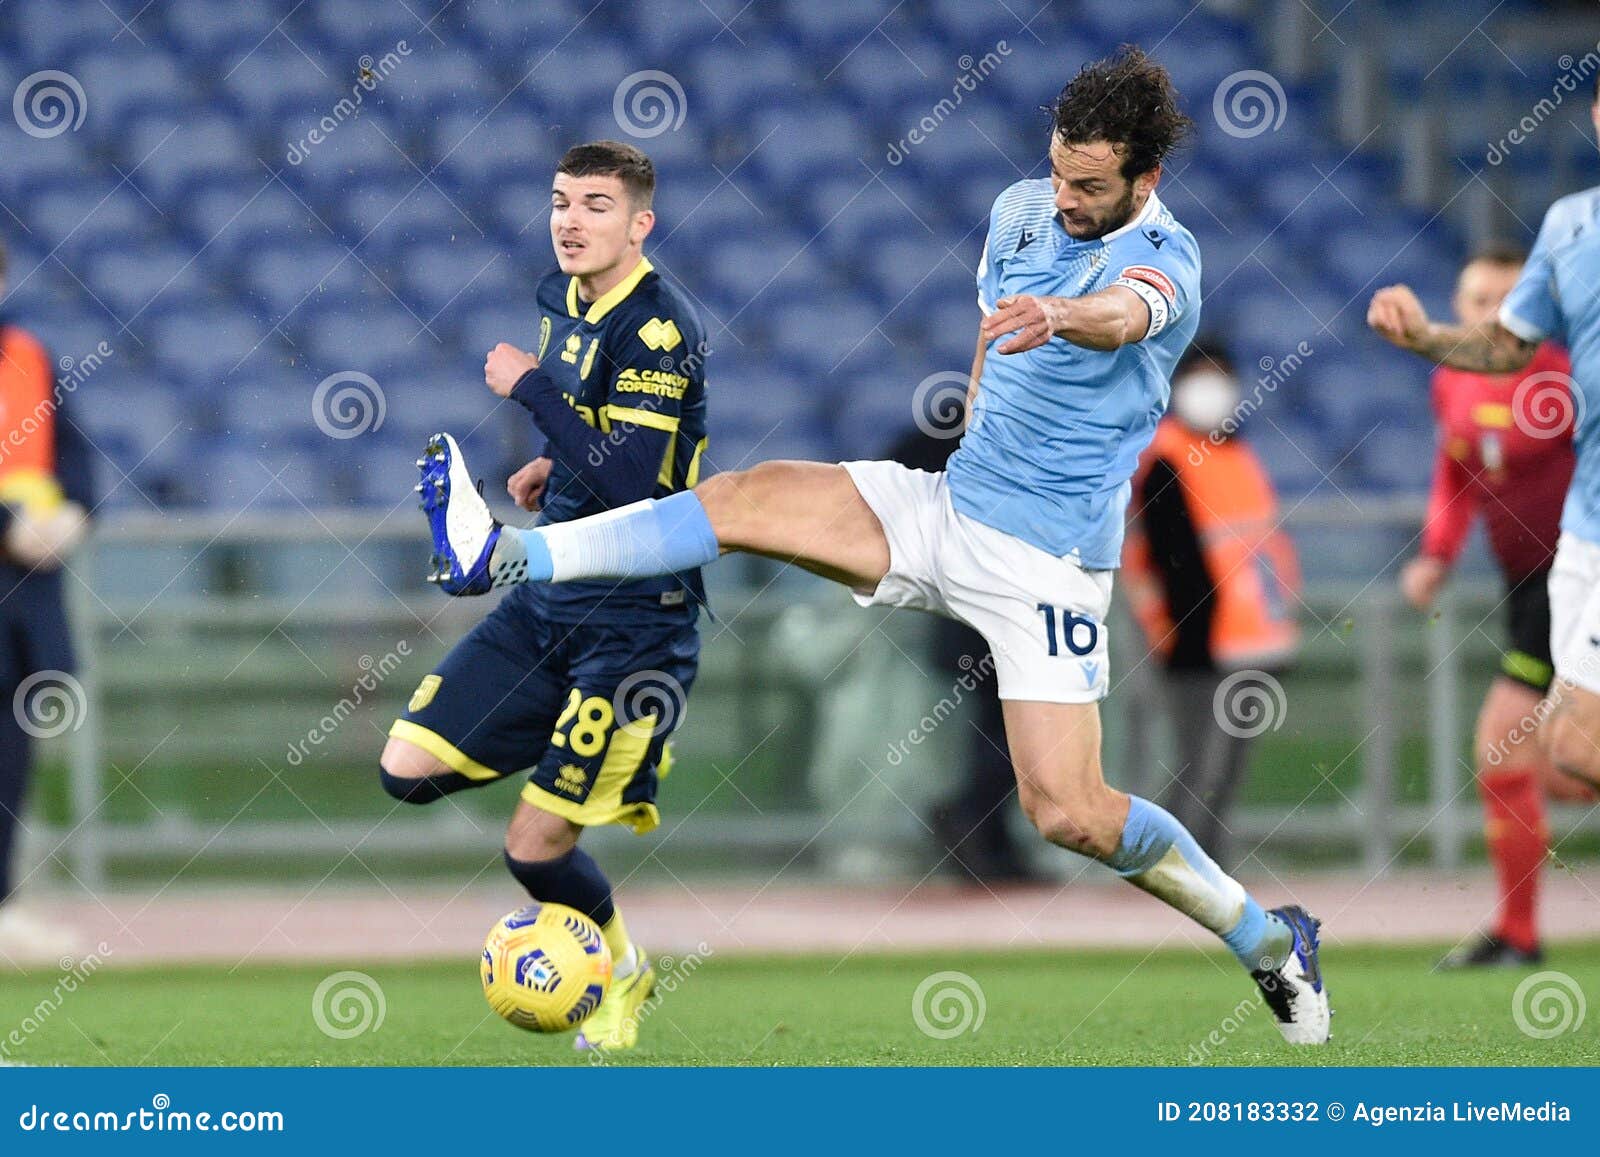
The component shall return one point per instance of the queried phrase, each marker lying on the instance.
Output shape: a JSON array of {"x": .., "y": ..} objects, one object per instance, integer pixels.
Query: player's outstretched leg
[
  {"x": 1055, "y": 748},
  {"x": 542, "y": 853},
  {"x": 807, "y": 513}
]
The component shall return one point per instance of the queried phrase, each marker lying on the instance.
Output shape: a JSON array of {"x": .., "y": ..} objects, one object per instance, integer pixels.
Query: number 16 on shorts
[{"x": 1067, "y": 633}]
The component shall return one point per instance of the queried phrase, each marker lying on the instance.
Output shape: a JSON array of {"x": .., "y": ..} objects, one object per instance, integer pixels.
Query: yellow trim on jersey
[
  {"x": 625, "y": 755},
  {"x": 692, "y": 479},
  {"x": 610, "y": 299},
  {"x": 442, "y": 749},
  {"x": 649, "y": 418}
]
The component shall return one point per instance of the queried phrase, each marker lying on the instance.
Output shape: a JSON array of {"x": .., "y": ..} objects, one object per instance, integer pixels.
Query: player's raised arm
[{"x": 1488, "y": 347}]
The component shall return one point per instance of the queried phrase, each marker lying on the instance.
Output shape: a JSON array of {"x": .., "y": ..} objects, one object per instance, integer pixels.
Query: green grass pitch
[{"x": 1040, "y": 1008}]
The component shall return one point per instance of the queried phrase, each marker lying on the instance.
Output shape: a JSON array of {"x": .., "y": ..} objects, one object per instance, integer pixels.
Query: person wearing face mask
[{"x": 1213, "y": 580}]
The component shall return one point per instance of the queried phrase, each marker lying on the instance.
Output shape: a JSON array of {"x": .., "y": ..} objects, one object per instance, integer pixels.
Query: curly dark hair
[{"x": 1128, "y": 100}]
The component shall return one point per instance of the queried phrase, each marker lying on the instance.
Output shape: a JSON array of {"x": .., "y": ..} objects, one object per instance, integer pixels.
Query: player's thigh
[
  {"x": 1570, "y": 732},
  {"x": 808, "y": 513},
  {"x": 1055, "y": 749},
  {"x": 487, "y": 709},
  {"x": 1507, "y": 725},
  {"x": 607, "y": 750}
]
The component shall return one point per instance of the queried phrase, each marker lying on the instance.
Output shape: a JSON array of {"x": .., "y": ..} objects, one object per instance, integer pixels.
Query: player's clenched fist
[
  {"x": 505, "y": 364},
  {"x": 526, "y": 486},
  {"x": 1398, "y": 316}
]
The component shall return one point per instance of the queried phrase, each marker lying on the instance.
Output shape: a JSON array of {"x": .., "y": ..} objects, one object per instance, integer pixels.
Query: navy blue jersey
[{"x": 632, "y": 366}]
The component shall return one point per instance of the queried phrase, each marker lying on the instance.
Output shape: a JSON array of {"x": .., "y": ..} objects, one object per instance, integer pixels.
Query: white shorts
[
  {"x": 1575, "y": 612},
  {"x": 1043, "y": 617}
]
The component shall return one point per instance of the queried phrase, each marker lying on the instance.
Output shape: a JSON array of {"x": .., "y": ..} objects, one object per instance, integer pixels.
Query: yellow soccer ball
[{"x": 545, "y": 967}]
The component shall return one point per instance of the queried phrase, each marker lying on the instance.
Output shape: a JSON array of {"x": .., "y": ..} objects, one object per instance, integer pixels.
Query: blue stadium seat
[
  {"x": 132, "y": 279},
  {"x": 167, "y": 158},
  {"x": 359, "y": 27},
  {"x": 802, "y": 148},
  {"x": 456, "y": 276},
  {"x": 276, "y": 81},
  {"x": 217, "y": 30},
  {"x": 204, "y": 348},
  {"x": 369, "y": 334},
  {"x": 370, "y": 145},
  {"x": 49, "y": 35},
  {"x": 733, "y": 81},
  {"x": 89, "y": 212},
  {"x": 127, "y": 82},
  {"x": 285, "y": 276},
  {"x": 482, "y": 153},
  {"x": 910, "y": 69},
  {"x": 514, "y": 318},
  {"x": 836, "y": 26},
  {"x": 234, "y": 216}
]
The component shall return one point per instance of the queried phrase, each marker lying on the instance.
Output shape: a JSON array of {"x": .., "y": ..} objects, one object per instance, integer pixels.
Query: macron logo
[{"x": 1091, "y": 671}]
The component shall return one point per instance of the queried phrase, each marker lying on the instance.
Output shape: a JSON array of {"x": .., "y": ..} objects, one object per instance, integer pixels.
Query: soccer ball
[{"x": 545, "y": 967}]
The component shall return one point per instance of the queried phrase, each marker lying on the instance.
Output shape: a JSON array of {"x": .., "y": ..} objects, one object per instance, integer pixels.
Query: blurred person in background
[
  {"x": 972, "y": 825},
  {"x": 1516, "y": 480},
  {"x": 44, "y": 498},
  {"x": 1554, "y": 298},
  {"x": 1212, "y": 580}
]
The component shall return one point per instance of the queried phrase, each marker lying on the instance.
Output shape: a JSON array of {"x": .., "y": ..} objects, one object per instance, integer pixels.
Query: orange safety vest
[
  {"x": 1249, "y": 558},
  {"x": 27, "y": 420}
]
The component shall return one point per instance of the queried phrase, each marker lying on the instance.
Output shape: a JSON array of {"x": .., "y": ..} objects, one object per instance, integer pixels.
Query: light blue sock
[
  {"x": 641, "y": 540},
  {"x": 1158, "y": 854}
]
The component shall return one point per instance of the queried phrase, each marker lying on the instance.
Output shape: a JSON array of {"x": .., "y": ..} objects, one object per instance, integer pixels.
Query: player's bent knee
[
  {"x": 421, "y": 788},
  {"x": 1075, "y": 824}
]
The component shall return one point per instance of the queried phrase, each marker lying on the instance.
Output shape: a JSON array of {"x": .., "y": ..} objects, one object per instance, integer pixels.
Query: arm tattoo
[{"x": 1489, "y": 348}]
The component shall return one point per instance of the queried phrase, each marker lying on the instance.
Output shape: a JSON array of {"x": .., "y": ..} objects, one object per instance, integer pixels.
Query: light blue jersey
[
  {"x": 1057, "y": 431},
  {"x": 1558, "y": 296}
]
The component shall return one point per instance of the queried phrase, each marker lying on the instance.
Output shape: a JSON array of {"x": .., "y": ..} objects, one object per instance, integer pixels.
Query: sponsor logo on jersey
[{"x": 660, "y": 335}]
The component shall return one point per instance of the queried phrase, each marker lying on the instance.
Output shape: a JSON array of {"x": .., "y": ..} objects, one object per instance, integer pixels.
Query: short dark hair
[
  {"x": 1498, "y": 253},
  {"x": 1128, "y": 100},
  {"x": 1205, "y": 353},
  {"x": 614, "y": 159}
]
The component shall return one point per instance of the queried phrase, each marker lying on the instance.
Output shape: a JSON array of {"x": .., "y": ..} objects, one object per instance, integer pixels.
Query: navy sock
[{"x": 573, "y": 879}]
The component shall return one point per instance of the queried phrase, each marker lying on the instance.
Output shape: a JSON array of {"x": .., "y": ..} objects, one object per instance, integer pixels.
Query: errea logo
[{"x": 660, "y": 335}]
